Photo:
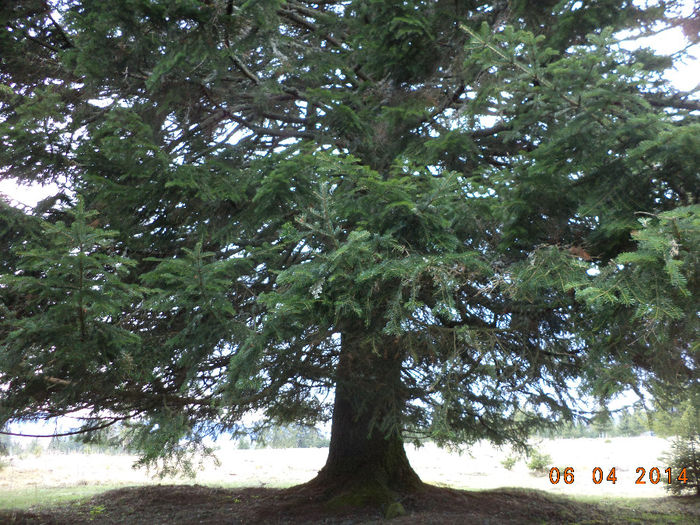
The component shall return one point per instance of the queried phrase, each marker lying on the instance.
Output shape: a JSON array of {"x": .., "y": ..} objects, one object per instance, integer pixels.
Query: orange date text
[{"x": 654, "y": 475}]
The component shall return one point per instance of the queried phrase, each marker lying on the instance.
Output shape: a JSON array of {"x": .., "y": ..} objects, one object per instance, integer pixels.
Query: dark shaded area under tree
[{"x": 179, "y": 504}]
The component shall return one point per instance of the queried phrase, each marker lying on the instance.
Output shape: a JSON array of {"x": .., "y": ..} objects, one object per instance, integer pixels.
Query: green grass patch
[
  {"x": 655, "y": 511},
  {"x": 46, "y": 497},
  {"x": 49, "y": 496}
]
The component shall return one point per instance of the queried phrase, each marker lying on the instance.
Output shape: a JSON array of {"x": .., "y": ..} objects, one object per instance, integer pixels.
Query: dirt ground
[
  {"x": 189, "y": 504},
  {"x": 533, "y": 500}
]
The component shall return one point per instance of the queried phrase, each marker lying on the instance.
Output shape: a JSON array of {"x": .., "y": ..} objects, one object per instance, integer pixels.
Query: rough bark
[{"x": 367, "y": 463}]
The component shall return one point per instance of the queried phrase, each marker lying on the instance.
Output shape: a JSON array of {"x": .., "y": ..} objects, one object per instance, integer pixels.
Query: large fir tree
[{"x": 444, "y": 219}]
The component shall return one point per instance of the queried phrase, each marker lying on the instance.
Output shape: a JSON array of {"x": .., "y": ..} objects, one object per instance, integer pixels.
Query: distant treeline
[
  {"x": 629, "y": 423},
  {"x": 286, "y": 436},
  {"x": 106, "y": 443},
  {"x": 625, "y": 423},
  {"x": 17, "y": 447},
  {"x": 115, "y": 441}
]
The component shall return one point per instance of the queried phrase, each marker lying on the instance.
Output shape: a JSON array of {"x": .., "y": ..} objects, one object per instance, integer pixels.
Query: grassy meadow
[{"x": 44, "y": 481}]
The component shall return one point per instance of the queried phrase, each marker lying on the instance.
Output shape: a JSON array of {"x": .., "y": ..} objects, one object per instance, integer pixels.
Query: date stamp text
[{"x": 654, "y": 475}]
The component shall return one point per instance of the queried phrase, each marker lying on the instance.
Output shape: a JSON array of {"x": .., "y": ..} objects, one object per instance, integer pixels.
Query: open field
[
  {"x": 50, "y": 479},
  {"x": 477, "y": 468}
]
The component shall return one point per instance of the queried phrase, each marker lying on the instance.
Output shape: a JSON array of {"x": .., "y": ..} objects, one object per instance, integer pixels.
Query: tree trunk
[{"x": 367, "y": 463}]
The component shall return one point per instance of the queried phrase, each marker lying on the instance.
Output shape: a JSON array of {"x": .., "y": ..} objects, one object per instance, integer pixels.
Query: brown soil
[{"x": 188, "y": 504}]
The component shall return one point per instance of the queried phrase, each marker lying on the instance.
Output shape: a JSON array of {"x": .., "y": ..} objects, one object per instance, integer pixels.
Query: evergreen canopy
[{"x": 444, "y": 219}]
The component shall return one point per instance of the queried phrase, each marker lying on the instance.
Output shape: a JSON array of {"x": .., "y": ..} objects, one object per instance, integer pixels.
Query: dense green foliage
[
  {"x": 475, "y": 216},
  {"x": 684, "y": 455}
]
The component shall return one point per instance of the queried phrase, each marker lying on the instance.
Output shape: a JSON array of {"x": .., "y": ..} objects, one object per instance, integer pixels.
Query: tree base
[
  {"x": 364, "y": 488},
  {"x": 367, "y": 463}
]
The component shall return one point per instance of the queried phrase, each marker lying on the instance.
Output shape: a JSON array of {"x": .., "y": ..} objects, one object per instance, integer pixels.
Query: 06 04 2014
[{"x": 654, "y": 475}]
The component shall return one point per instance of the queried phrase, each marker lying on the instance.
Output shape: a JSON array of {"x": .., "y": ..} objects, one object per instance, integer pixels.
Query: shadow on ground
[{"x": 183, "y": 504}]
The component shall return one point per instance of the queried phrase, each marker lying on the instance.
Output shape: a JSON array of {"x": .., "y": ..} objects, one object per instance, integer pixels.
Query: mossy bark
[{"x": 367, "y": 463}]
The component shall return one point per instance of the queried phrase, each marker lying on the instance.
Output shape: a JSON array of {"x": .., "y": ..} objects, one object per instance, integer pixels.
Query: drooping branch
[
  {"x": 62, "y": 32},
  {"x": 294, "y": 17},
  {"x": 71, "y": 433},
  {"x": 673, "y": 102},
  {"x": 260, "y": 130}
]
